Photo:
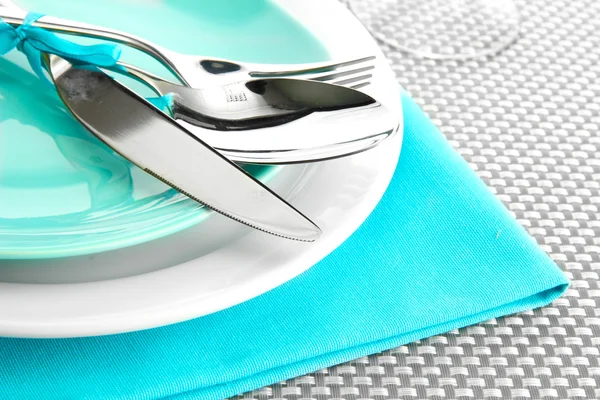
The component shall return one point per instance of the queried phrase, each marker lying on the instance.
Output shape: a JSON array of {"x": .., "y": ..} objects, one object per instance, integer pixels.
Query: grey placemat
[{"x": 528, "y": 121}]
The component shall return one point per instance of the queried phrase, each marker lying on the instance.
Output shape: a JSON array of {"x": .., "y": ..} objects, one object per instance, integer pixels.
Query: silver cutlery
[
  {"x": 277, "y": 120},
  {"x": 292, "y": 121},
  {"x": 157, "y": 144},
  {"x": 314, "y": 138},
  {"x": 198, "y": 71}
]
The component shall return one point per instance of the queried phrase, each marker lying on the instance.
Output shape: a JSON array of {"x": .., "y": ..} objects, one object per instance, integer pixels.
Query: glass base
[{"x": 441, "y": 29}]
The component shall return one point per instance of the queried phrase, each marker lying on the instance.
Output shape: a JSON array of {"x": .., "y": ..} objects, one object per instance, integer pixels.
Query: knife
[{"x": 157, "y": 144}]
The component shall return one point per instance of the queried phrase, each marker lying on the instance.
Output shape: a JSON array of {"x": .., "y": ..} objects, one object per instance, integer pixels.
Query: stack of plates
[{"x": 91, "y": 245}]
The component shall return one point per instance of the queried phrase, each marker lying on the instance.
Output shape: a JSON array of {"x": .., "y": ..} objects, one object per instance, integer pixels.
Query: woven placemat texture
[{"x": 528, "y": 121}]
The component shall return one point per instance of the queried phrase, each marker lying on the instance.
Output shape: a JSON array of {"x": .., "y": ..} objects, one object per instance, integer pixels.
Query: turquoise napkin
[{"x": 438, "y": 253}]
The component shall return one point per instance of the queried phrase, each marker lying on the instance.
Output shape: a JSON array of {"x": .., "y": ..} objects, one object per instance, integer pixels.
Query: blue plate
[{"x": 64, "y": 193}]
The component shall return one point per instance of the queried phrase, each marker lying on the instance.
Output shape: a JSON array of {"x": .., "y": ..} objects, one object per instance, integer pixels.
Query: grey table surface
[{"x": 528, "y": 121}]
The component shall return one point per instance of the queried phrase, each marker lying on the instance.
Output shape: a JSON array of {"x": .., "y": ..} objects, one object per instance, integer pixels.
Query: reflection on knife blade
[{"x": 157, "y": 144}]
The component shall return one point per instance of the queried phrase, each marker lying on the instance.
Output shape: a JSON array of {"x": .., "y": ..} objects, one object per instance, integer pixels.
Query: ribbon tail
[
  {"x": 8, "y": 38},
  {"x": 34, "y": 56},
  {"x": 163, "y": 103},
  {"x": 102, "y": 55}
]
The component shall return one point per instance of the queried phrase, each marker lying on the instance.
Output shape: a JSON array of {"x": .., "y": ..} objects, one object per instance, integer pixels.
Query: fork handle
[{"x": 15, "y": 16}]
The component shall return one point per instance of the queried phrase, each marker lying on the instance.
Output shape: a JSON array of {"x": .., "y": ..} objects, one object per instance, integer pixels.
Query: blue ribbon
[
  {"x": 163, "y": 103},
  {"x": 33, "y": 41}
]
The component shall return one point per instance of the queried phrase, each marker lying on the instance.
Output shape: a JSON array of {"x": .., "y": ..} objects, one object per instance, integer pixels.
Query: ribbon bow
[{"x": 33, "y": 41}]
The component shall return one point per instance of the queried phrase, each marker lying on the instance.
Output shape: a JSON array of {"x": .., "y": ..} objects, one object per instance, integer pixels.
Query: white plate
[{"x": 219, "y": 263}]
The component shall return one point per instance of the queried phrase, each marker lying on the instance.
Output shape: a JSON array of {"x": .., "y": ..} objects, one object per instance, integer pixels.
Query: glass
[{"x": 441, "y": 29}]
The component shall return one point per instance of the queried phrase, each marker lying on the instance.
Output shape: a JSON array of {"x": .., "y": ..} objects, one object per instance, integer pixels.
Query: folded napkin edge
[
  {"x": 308, "y": 365},
  {"x": 557, "y": 283}
]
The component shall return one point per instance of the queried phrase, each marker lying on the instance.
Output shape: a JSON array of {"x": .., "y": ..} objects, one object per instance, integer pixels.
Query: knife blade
[{"x": 157, "y": 144}]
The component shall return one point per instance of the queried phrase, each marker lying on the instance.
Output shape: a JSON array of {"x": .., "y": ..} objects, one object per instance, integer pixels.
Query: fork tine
[
  {"x": 352, "y": 72},
  {"x": 354, "y": 80},
  {"x": 343, "y": 74},
  {"x": 344, "y": 77},
  {"x": 360, "y": 85},
  {"x": 311, "y": 70}
]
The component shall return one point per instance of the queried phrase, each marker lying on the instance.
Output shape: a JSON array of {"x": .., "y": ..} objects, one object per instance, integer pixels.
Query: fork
[{"x": 199, "y": 71}]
